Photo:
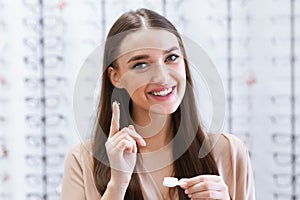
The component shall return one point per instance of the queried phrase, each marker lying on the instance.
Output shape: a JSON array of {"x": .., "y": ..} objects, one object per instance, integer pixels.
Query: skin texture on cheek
[{"x": 133, "y": 82}]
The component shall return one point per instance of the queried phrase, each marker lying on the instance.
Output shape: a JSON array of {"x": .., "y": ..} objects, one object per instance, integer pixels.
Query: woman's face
[{"x": 151, "y": 68}]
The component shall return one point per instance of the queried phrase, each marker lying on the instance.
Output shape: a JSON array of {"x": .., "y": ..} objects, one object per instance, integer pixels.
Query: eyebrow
[
  {"x": 145, "y": 56},
  {"x": 138, "y": 57},
  {"x": 171, "y": 49}
]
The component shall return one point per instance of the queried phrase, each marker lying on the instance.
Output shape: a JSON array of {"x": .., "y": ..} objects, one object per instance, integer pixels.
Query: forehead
[{"x": 148, "y": 38}]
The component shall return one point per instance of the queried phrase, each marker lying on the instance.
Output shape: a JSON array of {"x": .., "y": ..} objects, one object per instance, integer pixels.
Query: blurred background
[{"x": 254, "y": 44}]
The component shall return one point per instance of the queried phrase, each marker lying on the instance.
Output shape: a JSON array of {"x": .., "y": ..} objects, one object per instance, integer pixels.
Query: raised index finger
[{"x": 115, "y": 119}]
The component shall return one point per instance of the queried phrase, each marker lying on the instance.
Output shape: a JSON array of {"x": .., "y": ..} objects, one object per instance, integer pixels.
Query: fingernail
[
  {"x": 143, "y": 143},
  {"x": 115, "y": 101},
  {"x": 131, "y": 127},
  {"x": 186, "y": 191}
]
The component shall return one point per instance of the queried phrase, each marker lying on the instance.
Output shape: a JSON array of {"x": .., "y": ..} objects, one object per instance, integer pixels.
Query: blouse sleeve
[
  {"x": 244, "y": 175},
  {"x": 72, "y": 185},
  {"x": 234, "y": 166}
]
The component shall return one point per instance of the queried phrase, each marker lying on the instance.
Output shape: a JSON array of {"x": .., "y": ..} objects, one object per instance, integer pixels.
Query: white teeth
[{"x": 162, "y": 93}]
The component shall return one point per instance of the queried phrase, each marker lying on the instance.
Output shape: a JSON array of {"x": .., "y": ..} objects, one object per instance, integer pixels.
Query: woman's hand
[
  {"x": 205, "y": 187},
  {"x": 121, "y": 147}
]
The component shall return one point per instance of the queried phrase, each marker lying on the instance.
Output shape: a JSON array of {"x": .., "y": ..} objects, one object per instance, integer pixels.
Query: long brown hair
[{"x": 186, "y": 127}]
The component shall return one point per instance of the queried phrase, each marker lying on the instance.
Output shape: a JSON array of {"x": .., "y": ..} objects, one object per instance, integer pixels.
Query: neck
[{"x": 156, "y": 130}]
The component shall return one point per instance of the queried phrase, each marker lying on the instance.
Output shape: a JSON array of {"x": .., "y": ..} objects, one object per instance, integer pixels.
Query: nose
[{"x": 160, "y": 74}]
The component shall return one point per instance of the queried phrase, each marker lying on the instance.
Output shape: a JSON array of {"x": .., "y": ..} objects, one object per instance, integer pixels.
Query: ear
[{"x": 114, "y": 77}]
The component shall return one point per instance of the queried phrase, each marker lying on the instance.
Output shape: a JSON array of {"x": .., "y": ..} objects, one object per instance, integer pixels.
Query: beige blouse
[{"x": 230, "y": 153}]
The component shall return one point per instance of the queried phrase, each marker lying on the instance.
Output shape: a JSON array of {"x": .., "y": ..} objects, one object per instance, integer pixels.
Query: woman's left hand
[{"x": 205, "y": 187}]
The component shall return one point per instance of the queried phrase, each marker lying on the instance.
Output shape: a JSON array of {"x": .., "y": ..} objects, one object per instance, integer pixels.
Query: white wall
[{"x": 257, "y": 71}]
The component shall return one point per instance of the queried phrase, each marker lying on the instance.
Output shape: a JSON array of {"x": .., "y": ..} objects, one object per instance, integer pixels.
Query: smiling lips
[{"x": 162, "y": 91}]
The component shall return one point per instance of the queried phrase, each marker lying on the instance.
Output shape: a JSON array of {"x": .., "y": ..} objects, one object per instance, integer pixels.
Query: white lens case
[{"x": 170, "y": 182}]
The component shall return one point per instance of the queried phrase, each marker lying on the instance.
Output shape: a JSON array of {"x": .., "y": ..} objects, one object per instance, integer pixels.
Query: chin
[{"x": 164, "y": 110}]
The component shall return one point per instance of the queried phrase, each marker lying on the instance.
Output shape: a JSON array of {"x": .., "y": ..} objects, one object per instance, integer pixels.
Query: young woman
[{"x": 148, "y": 127}]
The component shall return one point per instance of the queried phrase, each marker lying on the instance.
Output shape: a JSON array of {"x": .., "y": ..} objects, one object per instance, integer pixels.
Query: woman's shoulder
[
  {"x": 228, "y": 145},
  {"x": 75, "y": 150},
  {"x": 233, "y": 139},
  {"x": 78, "y": 174},
  {"x": 80, "y": 153},
  {"x": 226, "y": 140}
]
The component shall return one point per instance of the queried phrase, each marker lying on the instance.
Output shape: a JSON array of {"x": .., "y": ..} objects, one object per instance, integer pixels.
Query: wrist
[
  {"x": 114, "y": 191},
  {"x": 120, "y": 178},
  {"x": 115, "y": 185}
]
